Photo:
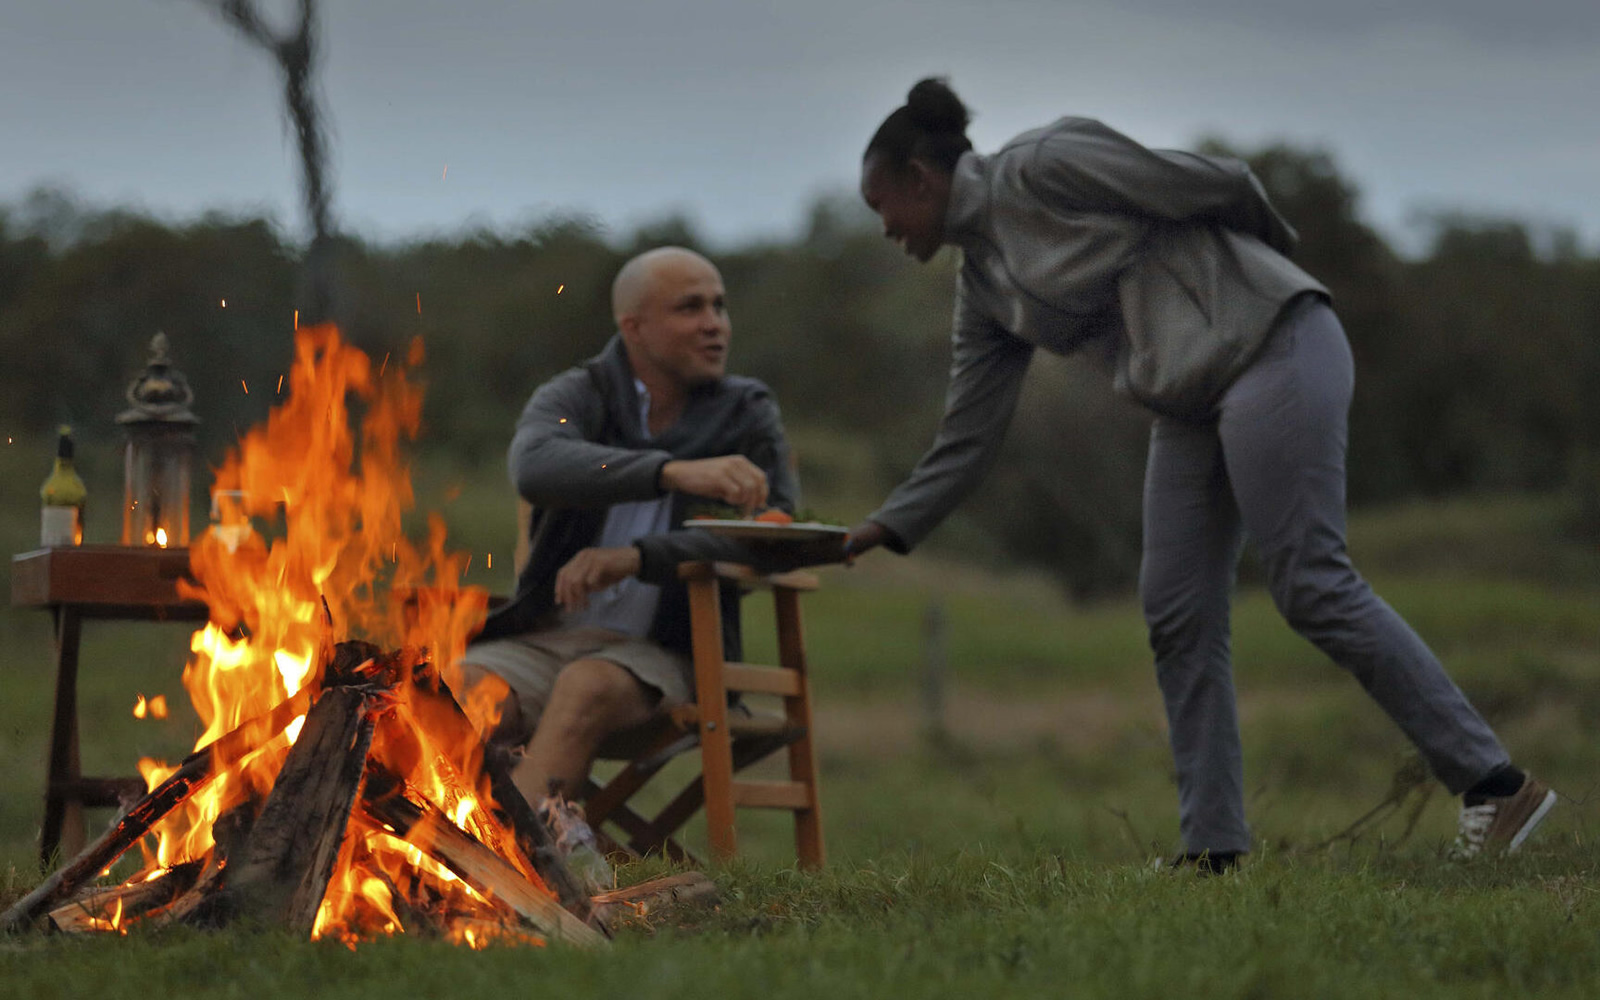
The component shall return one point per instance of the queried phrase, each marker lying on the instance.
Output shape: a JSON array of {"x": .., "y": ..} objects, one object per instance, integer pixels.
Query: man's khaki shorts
[{"x": 529, "y": 664}]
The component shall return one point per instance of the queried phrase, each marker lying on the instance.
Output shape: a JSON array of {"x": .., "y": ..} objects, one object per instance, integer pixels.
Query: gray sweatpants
[{"x": 1273, "y": 466}]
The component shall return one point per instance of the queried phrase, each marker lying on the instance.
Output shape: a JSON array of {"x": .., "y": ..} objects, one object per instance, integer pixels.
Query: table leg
[{"x": 63, "y": 813}]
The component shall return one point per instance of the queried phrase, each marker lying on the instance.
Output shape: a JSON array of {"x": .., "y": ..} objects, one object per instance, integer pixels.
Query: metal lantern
[{"x": 160, "y": 455}]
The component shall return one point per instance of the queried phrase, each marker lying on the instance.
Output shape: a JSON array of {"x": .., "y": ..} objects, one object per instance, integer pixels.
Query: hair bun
[{"x": 933, "y": 106}]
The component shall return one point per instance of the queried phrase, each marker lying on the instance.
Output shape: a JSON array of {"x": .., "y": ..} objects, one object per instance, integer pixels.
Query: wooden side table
[{"x": 107, "y": 583}]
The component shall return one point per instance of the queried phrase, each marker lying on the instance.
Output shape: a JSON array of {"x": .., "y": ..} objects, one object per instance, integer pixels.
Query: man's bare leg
[{"x": 591, "y": 700}]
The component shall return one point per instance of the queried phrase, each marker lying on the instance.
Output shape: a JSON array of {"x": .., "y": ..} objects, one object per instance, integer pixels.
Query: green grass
[
  {"x": 959, "y": 925},
  {"x": 1009, "y": 856}
]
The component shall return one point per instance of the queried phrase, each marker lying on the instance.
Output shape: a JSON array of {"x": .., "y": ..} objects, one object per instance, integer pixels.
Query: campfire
[{"x": 340, "y": 788}]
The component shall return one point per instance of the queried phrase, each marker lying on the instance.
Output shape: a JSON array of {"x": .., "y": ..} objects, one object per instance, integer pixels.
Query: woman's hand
[
  {"x": 863, "y": 537},
  {"x": 593, "y": 570}
]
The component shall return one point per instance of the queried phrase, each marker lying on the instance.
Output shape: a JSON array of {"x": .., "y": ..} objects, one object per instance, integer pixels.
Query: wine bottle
[{"x": 63, "y": 494}]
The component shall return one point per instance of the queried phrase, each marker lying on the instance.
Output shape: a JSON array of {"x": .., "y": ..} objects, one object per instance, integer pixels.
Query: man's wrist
[
  {"x": 638, "y": 558},
  {"x": 664, "y": 478}
]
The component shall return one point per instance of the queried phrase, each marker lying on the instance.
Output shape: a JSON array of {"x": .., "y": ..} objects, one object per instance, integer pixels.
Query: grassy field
[{"x": 1009, "y": 854}]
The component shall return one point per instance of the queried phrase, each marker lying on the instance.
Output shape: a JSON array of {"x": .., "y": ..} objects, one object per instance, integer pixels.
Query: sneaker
[
  {"x": 576, "y": 843},
  {"x": 1200, "y": 862},
  {"x": 1500, "y": 824}
]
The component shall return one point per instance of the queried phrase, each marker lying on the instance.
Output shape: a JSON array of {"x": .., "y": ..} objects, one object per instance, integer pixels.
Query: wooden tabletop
[{"x": 105, "y": 581}]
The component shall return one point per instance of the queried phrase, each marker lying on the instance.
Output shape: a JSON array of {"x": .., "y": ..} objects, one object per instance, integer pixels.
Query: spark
[
  {"x": 224, "y": 303},
  {"x": 468, "y": 565},
  {"x": 280, "y": 385},
  {"x": 559, "y": 288},
  {"x": 419, "y": 303},
  {"x": 246, "y": 387},
  {"x": 385, "y": 364},
  {"x": 563, "y": 419},
  {"x": 154, "y": 708},
  {"x": 446, "y": 172},
  {"x": 297, "y": 319},
  {"x": 488, "y": 558}
]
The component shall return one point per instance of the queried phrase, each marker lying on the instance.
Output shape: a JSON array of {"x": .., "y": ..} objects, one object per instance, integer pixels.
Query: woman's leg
[
  {"x": 1283, "y": 430},
  {"x": 1191, "y": 546}
]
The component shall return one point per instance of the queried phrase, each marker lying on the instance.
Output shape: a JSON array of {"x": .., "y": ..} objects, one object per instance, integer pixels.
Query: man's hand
[
  {"x": 864, "y": 537},
  {"x": 592, "y": 570},
  {"x": 733, "y": 479}
]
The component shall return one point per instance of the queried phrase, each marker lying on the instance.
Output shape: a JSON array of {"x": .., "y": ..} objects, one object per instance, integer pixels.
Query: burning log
[
  {"x": 535, "y": 841},
  {"x": 201, "y": 905},
  {"x": 428, "y": 829},
  {"x": 192, "y": 774},
  {"x": 289, "y": 855},
  {"x": 111, "y": 908},
  {"x": 272, "y": 862},
  {"x": 433, "y": 699}
]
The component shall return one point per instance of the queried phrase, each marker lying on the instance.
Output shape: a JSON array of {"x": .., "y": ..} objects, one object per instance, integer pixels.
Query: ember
[{"x": 340, "y": 787}]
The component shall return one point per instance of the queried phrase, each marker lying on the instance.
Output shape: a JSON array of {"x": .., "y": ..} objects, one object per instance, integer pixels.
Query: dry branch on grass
[{"x": 636, "y": 904}]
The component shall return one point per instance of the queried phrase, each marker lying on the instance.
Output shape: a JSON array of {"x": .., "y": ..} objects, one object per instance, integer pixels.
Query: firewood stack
[{"x": 274, "y": 857}]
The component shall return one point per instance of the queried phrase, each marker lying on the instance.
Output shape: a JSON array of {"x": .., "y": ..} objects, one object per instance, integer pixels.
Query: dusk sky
[{"x": 738, "y": 112}]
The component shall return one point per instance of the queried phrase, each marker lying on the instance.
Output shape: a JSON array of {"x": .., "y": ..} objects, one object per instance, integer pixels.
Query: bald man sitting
[{"x": 613, "y": 455}]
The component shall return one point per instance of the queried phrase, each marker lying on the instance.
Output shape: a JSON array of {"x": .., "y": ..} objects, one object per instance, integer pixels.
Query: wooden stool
[{"x": 730, "y": 738}]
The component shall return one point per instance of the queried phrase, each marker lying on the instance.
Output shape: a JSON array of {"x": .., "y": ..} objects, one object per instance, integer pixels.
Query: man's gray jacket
[
  {"x": 578, "y": 449},
  {"x": 1074, "y": 234}
]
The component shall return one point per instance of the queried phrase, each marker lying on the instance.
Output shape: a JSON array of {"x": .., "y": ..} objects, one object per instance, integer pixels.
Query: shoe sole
[{"x": 1533, "y": 821}]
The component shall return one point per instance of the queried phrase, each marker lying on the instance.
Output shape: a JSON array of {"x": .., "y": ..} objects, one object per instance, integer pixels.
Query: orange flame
[
  {"x": 155, "y": 708},
  {"x": 326, "y": 481}
]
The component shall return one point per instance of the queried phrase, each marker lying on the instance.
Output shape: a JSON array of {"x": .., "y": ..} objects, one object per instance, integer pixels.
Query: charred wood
[
  {"x": 202, "y": 905},
  {"x": 534, "y": 838},
  {"x": 286, "y": 862},
  {"x": 425, "y": 827},
  {"x": 192, "y": 774},
  {"x": 115, "y": 906}
]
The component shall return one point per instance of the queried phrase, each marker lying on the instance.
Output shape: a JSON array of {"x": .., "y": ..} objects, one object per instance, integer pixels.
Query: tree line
[{"x": 1478, "y": 361}]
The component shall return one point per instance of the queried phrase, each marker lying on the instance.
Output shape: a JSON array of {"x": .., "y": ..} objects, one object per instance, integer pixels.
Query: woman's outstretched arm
[{"x": 986, "y": 376}]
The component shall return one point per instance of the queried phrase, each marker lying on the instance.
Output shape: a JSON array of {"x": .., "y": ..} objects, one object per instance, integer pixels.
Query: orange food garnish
[{"x": 775, "y": 516}]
